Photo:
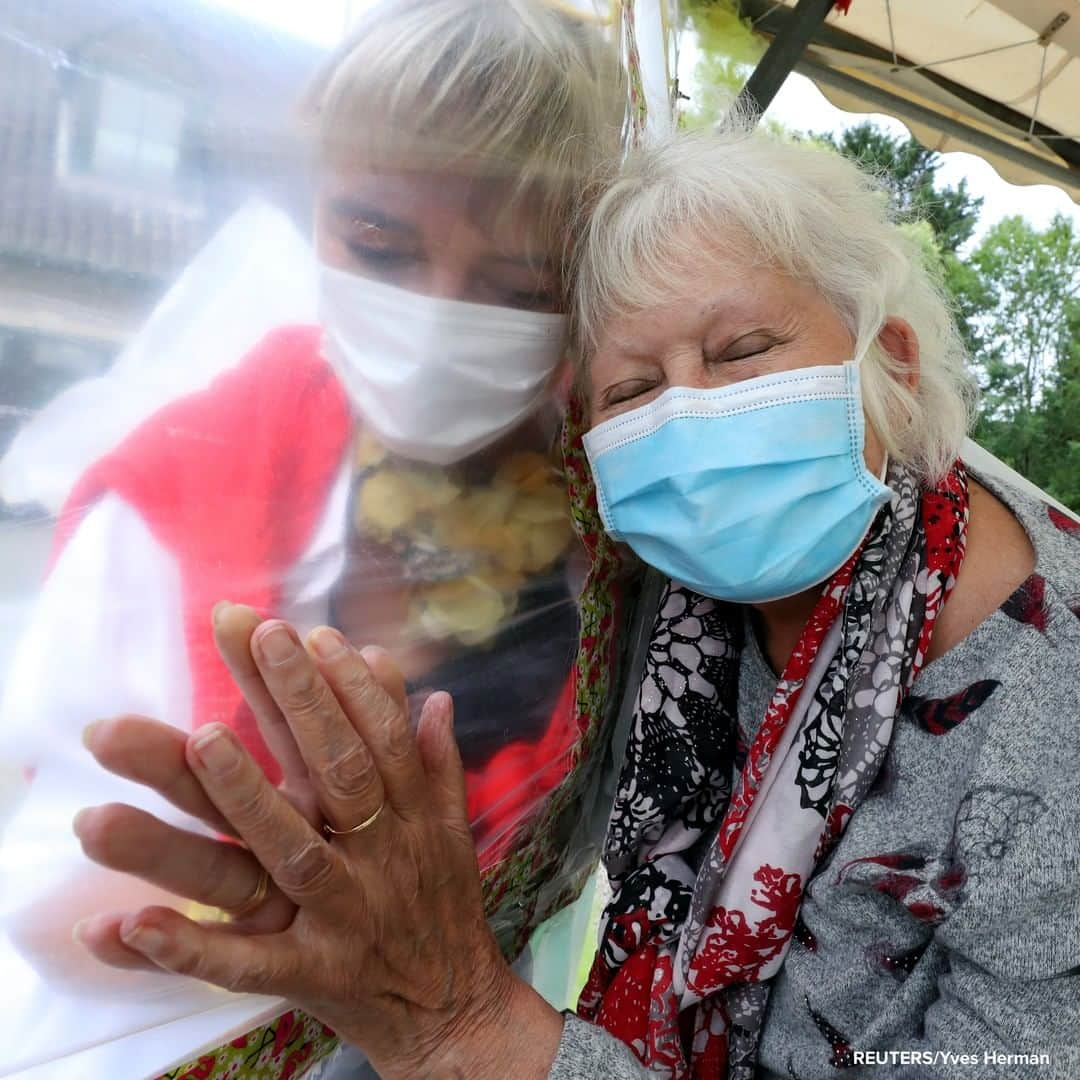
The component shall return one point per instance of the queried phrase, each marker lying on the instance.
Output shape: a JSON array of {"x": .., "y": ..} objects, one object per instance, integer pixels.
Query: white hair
[{"x": 809, "y": 213}]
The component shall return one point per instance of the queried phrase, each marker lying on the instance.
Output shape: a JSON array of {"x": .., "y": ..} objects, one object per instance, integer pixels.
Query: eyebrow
[
  {"x": 735, "y": 304},
  {"x": 636, "y": 353}
]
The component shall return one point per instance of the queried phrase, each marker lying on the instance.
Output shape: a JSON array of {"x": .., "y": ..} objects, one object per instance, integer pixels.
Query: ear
[
  {"x": 561, "y": 377},
  {"x": 561, "y": 381},
  {"x": 898, "y": 339}
]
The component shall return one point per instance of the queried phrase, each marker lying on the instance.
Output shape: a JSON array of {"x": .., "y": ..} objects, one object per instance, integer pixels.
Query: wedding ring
[
  {"x": 254, "y": 900},
  {"x": 365, "y": 824}
]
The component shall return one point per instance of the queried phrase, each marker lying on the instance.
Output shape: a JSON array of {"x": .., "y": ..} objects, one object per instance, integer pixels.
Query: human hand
[
  {"x": 211, "y": 872},
  {"x": 388, "y": 943}
]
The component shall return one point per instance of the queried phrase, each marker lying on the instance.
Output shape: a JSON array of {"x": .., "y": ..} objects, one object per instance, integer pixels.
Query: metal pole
[{"x": 783, "y": 54}]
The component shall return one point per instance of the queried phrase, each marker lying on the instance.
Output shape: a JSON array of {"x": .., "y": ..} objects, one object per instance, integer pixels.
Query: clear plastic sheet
[{"x": 280, "y": 323}]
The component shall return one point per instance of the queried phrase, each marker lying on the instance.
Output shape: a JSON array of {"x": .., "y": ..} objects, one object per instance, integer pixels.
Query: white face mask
[{"x": 436, "y": 379}]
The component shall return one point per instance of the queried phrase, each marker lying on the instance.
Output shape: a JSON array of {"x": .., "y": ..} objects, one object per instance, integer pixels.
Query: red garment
[{"x": 232, "y": 481}]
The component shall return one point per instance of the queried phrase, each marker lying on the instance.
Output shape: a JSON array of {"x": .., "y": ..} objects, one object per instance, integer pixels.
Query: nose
[
  {"x": 684, "y": 365},
  {"x": 445, "y": 277},
  {"x": 447, "y": 272}
]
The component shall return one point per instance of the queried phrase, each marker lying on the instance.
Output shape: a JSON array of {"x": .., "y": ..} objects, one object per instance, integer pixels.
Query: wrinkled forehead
[{"x": 676, "y": 272}]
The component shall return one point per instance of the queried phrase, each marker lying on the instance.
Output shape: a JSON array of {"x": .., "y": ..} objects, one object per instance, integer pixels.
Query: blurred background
[{"x": 129, "y": 132}]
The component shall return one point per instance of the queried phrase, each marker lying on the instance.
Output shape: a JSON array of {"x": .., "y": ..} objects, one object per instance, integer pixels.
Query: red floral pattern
[
  {"x": 280, "y": 1050},
  {"x": 739, "y": 951}
]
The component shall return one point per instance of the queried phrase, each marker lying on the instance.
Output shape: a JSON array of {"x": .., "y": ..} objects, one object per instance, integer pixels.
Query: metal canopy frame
[
  {"x": 795, "y": 30},
  {"x": 788, "y": 45}
]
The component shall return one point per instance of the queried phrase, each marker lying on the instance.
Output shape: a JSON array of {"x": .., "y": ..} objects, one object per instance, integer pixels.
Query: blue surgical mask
[{"x": 746, "y": 493}]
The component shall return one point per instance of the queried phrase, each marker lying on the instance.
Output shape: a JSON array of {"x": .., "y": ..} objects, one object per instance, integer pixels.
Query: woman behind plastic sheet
[
  {"x": 393, "y": 472},
  {"x": 844, "y": 824}
]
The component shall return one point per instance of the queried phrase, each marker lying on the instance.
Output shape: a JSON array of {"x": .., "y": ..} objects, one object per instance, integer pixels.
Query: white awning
[{"x": 998, "y": 79}]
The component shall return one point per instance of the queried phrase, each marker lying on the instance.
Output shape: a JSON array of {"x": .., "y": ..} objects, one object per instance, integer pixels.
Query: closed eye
[
  {"x": 621, "y": 393},
  {"x": 541, "y": 300},
  {"x": 741, "y": 349},
  {"x": 384, "y": 257}
]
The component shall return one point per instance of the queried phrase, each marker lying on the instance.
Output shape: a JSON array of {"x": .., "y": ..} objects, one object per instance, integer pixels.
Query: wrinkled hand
[{"x": 386, "y": 942}]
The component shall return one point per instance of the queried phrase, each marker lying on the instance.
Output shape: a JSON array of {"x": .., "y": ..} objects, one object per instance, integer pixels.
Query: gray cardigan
[{"x": 962, "y": 958}]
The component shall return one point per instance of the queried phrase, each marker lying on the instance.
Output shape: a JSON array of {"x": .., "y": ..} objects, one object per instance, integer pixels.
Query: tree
[
  {"x": 971, "y": 296},
  {"x": 1028, "y": 358},
  {"x": 1032, "y": 278},
  {"x": 1044, "y": 443},
  {"x": 1059, "y": 459},
  {"x": 910, "y": 171}
]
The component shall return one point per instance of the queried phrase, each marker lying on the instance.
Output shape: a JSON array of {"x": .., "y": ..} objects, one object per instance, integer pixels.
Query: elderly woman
[{"x": 844, "y": 821}]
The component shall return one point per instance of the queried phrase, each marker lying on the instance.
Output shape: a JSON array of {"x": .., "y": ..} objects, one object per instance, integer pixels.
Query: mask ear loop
[
  {"x": 857, "y": 360},
  {"x": 884, "y": 466}
]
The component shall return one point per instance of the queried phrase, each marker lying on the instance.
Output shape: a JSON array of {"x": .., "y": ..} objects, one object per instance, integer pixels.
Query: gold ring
[
  {"x": 254, "y": 900},
  {"x": 365, "y": 824}
]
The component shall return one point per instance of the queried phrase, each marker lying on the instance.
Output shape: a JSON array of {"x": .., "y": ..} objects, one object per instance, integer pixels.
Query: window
[
  {"x": 117, "y": 129},
  {"x": 139, "y": 131}
]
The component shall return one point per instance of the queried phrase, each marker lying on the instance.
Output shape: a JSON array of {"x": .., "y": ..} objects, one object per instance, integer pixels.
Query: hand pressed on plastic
[
  {"x": 194, "y": 866},
  {"x": 388, "y": 943}
]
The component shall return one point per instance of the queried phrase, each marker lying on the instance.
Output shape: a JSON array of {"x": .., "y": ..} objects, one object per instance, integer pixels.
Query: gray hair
[{"x": 808, "y": 212}]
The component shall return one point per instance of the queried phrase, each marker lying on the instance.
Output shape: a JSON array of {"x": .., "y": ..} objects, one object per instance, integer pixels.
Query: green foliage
[
  {"x": 1060, "y": 460},
  {"x": 1028, "y": 358},
  {"x": 910, "y": 171},
  {"x": 923, "y": 236},
  {"x": 729, "y": 51},
  {"x": 1044, "y": 444},
  {"x": 971, "y": 295},
  {"x": 720, "y": 29},
  {"x": 1031, "y": 278}
]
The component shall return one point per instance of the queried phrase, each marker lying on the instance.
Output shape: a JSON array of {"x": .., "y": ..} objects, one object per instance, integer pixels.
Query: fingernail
[
  {"x": 446, "y": 703},
  {"x": 216, "y": 750},
  {"x": 277, "y": 645},
  {"x": 78, "y": 931},
  {"x": 144, "y": 938},
  {"x": 88, "y": 732},
  {"x": 219, "y": 608},
  {"x": 327, "y": 643},
  {"x": 77, "y": 820}
]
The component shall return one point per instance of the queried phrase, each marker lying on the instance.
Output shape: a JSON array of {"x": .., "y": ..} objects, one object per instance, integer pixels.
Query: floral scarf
[{"x": 708, "y": 867}]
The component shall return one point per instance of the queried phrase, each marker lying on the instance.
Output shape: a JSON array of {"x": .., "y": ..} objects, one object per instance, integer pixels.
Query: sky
[
  {"x": 799, "y": 105},
  {"x": 319, "y": 21}
]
